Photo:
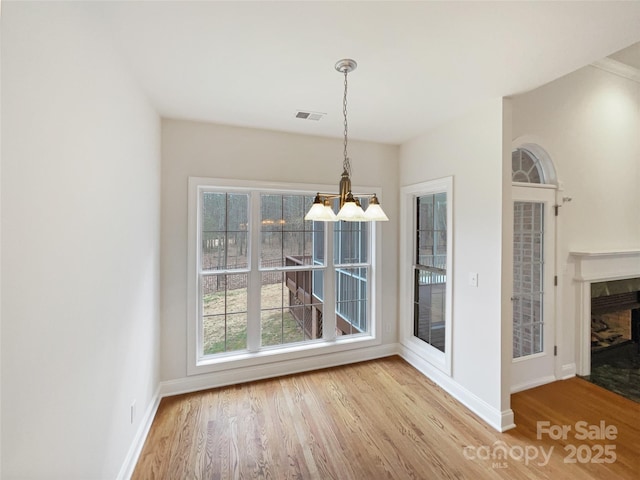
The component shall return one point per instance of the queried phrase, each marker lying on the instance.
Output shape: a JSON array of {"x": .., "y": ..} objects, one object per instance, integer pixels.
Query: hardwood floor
[{"x": 382, "y": 420}]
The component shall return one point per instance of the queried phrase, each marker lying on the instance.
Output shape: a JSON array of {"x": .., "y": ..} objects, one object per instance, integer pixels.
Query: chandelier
[{"x": 350, "y": 208}]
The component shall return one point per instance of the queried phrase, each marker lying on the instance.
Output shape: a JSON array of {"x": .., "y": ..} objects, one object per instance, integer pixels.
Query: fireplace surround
[
  {"x": 598, "y": 267},
  {"x": 615, "y": 311}
]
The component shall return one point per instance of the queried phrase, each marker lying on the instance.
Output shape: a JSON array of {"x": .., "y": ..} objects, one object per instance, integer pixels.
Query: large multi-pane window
[{"x": 262, "y": 273}]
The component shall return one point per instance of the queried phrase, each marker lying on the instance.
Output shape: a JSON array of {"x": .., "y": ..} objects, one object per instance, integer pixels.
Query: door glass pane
[{"x": 528, "y": 256}]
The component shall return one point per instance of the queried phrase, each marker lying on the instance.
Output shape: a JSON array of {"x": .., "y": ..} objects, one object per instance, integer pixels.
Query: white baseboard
[
  {"x": 533, "y": 383},
  {"x": 276, "y": 369},
  {"x": 500, "y": 420},
  {"x": 568, "y": 371},
  {"x": 135, "y": 449}
]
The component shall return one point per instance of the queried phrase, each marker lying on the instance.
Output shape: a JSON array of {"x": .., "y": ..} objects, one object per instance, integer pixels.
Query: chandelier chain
[
  {"x": 350, "y": 207},
  {"x": 346, "y": 163}
]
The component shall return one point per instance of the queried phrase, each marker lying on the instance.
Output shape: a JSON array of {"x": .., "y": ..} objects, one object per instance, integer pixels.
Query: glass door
[{"x": 533, "y": 291}]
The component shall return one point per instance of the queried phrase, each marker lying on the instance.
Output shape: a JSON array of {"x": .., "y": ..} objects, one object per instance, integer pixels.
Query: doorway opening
[{"x": 533, "y": 296}]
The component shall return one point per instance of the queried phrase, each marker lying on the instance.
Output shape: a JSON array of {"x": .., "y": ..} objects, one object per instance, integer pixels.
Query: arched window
[{"x": 526, "y": 167}]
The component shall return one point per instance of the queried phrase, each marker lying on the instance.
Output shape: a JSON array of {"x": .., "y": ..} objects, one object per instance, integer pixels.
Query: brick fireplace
[{"x": 608, "y": 296}]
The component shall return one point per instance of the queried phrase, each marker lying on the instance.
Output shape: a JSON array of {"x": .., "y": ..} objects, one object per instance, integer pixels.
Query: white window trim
[
  {"x": 332, "y": 344},
  {"x": 532, "y": 145},
  {"x": 408, "y": 196}
]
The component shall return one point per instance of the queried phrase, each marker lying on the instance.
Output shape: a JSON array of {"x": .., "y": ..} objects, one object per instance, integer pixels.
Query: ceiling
[
  {"x": 629, "y": 56},
  {"x": 255, "y": 64}
]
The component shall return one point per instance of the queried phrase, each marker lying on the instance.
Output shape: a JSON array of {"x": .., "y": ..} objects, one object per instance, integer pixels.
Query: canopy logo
[{"x": 499, "y": 453}]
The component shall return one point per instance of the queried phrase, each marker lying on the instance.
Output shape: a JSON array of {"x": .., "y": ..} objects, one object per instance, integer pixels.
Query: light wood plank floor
[{"x": 381, "y": 420}]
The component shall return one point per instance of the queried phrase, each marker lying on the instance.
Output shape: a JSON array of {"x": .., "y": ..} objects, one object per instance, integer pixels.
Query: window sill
[{"x": 281, "y": 354}]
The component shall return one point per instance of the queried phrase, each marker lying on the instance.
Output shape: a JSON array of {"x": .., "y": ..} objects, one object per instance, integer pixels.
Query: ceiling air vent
[{"x": 306, "y": 115}]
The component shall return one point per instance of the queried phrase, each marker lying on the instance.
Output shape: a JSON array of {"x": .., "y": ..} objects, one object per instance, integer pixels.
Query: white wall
[
  {"x": 206, "y": 150},
  {"x": 589, "y": 123},
  {"x": 507, "y": 261},
  {"x": 470, "y": 149},
  {"x": 80, "y": 247},
  {"x": 0, "y": 257}
]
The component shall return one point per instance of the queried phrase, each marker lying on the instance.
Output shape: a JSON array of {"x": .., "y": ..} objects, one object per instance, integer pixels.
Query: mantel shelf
[
  {"x": 600, "y": 266},
  {"x": 606, "y": 253}
]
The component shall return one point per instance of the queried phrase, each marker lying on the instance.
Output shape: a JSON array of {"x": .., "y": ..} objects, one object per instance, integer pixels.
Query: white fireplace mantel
[
  {"x": 601, "y": 266},
  {"x": 598, "y": 266}
]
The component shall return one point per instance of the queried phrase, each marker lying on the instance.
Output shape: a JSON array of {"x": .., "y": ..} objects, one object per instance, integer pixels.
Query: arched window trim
[
  {"x": 526, "y": 168},
  {"x": 548, "y": 170}
]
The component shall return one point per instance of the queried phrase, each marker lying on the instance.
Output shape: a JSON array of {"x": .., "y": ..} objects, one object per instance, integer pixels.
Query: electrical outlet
[
  {"x": 133, "y": 411},
  {"x": 473, "y": 279}
]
